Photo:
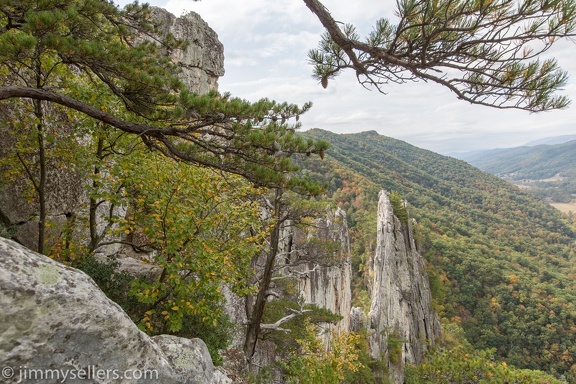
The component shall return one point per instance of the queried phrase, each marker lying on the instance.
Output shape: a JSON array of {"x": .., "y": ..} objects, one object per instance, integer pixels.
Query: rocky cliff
[
  {"x": 402, "y": 323},
  {"x": 202, "y": 62},
  {"x": 56, "y": 325},
  {"x": 327, "y": 281},
  {"x": 317, "y": 260}
]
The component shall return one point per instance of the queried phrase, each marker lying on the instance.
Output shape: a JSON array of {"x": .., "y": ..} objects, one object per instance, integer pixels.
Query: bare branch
[{"x": 277, "y": 325}]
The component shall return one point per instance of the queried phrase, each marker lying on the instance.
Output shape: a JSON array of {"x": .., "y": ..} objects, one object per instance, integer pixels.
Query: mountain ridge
[
  {"x": 501, "y": 260},
  {"x": 471, "y": 156},
  {"x": 546, "y": 170}
]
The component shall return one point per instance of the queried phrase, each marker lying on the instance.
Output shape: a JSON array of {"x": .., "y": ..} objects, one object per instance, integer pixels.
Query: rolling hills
[{"x": 547, "y": 171}]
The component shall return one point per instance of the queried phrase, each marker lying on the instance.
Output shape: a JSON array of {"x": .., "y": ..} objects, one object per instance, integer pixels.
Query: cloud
[
  {"x": 266, "y": 43},
  {"x": 243, "y": 17}
]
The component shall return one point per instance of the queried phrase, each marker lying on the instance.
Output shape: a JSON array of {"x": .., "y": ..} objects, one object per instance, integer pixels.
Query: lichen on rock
[{"x": 54, "y": 317}]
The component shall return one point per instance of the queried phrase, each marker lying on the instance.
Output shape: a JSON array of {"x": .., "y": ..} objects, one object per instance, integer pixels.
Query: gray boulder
[{"x": 55, "y": 323}]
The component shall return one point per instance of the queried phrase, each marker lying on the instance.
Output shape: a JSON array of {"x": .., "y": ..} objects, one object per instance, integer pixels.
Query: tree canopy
[{"x": 103, "y": 50}]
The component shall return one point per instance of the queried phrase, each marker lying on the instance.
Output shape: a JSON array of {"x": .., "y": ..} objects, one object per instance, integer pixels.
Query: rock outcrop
[
  {"x": 317, "y": 260},
  {"x": 202, "y": 63},
  {"x": 402, "y": 323},
  {"x": 326, "y": 281},
  {"x": 55, "y": 321}
]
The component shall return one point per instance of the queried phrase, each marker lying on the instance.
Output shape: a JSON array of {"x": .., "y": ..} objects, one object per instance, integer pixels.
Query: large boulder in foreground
[{"x": 56, "y": 324}]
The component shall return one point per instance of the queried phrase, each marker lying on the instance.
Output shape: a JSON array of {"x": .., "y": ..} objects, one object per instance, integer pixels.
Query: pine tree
[
  {"x": 91, "y": 58},
  {"x": 484, "y": 51},
  {"x": 120, "y": 54}
]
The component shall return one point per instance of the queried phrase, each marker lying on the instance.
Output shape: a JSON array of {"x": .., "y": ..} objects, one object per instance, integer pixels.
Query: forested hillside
[
  {"x": 116, "y": 149},
  {"x": 502, "y": 263},
  {"x": 548, "y": 171}
]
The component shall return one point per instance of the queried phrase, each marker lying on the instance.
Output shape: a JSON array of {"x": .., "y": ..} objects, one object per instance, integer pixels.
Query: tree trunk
[
  {"x": 38, "y": 112},
  {"x": 254, "y": 321},
  {"x": 94, "y": 237}
]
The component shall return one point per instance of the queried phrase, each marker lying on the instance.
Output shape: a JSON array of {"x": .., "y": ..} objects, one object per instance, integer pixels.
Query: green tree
[
  {"x": 195, "y": 221},
  {"x": 98, "y": 40},
  {"x": 459, "y": 365},
  {"x": 484, "y": 51},
  {"x": 110, "y": 65},
  {"x": 316, "y": 363}
]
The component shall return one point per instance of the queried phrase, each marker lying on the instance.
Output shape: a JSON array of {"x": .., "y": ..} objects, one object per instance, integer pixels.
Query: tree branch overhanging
[
  {"x": 247, "y": 144},
  {"x": 484, "y": 51}
]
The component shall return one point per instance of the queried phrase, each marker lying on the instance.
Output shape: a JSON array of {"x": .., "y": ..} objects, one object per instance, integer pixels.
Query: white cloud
[
  {"x": 243, "y": 17},
  {"x": 266, "y": 43}
]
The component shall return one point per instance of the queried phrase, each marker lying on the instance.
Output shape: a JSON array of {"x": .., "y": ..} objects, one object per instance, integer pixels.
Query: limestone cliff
[{"x": 402, "y": 323}]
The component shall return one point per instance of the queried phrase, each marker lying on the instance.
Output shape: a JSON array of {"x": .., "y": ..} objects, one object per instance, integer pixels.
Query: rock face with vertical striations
[
  {"x": 326, "y": 281},
  {"x": 202, "y": 63},
  {"x": 402, "y": 323},
  {"x": 317, "y": 260}
]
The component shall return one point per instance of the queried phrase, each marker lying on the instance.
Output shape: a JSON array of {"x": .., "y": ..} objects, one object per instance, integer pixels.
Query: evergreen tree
[
  {"x": 484, "y": 51},
  {"x": 121, "y": 54}
]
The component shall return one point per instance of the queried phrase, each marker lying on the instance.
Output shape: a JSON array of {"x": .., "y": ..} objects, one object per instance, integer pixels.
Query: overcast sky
[{"x": 266, "y": 44}]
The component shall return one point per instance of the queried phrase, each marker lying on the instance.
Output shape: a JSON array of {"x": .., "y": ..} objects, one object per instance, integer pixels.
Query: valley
[{"x": 501, "y": 261}]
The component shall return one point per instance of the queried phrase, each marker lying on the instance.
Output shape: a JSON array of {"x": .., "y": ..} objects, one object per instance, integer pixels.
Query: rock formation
[
  {"x": 55, "y": 321},
  {"x": 402, "y": 323},
  {"x": 202, "y": 63},
  {"x": 326, "y": 282},
  {"x": 317, "y": 259}
]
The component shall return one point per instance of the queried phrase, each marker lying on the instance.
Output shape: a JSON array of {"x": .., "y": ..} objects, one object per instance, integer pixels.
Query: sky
[{"x": 266, "y": 44}]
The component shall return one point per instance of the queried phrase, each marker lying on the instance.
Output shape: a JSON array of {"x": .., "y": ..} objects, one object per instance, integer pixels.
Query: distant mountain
[
  {"x": 473, "y": 156},
  {"x": 501, "y": 262},
  {"x": 536, "y": 162},
  {"x": 549, "y": 171},
  {"x": 551, "y": 140}
]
